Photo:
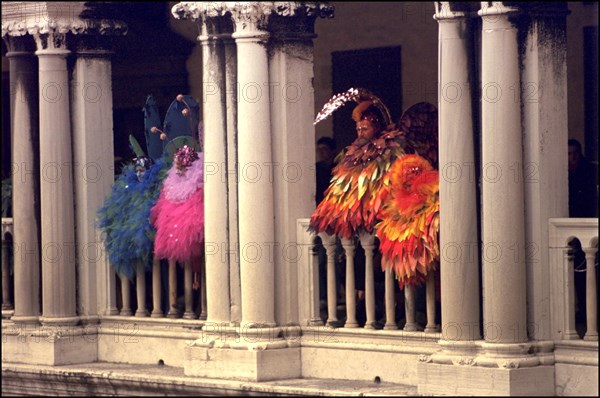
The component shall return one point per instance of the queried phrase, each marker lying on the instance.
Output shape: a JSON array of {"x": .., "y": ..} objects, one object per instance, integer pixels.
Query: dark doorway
[
  {"x": 375, "y": 69},
  {"x": 590, "y": 59},
  {"x": 150, "y": 59}
]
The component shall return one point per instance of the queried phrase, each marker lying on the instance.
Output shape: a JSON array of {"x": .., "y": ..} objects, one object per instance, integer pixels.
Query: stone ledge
[
  {"x": 101, "y": 378},
  {"x": 465, "y": 380},
  {"x": 252, "y": 365}
]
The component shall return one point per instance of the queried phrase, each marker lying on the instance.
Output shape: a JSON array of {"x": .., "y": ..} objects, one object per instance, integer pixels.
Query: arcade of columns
[{"x": 265, "y": 43}]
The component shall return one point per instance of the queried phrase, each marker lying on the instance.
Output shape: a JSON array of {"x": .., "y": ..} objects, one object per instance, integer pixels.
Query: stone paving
[{"x": 103, "y": 378}]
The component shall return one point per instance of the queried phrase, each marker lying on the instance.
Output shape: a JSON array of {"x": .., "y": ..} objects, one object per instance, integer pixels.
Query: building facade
[{"x": 507, "y": 279}]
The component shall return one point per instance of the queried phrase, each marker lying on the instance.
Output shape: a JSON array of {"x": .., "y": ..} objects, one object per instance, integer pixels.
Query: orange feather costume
[
  {"x": 376, "y": 186},
  {"x": 409, "y": 225}
]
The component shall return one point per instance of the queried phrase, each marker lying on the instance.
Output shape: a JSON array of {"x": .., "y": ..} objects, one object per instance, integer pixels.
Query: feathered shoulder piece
[
  {"x": 409, "y": 228},
  {"x": 124, "y": 217},
  {"x": 358, "y": 187}
]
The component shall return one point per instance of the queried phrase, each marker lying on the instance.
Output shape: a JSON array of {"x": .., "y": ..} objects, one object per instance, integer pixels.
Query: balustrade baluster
[
  {"x": 349, "y": 249},
  {"x": 172, "y": 290},
  {"x": 430, "y": 297},
  {"x": 189, "y": 299},
  {"x": 140, "y": 280},
  {"x": 409, "y": 308},
  {"x": 156, "y": 289},
  {"x": 591, "y": 305},
  {"x": 390, "y": 300},
  {"x": 126, "y": 297}
]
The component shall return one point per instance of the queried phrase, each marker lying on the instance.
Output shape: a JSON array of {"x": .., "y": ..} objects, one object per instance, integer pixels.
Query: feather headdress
[{"x": 357, "y": 95}]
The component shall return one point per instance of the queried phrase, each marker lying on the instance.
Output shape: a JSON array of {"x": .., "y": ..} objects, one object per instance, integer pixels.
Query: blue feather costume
[{"x": 125, "y": 217}]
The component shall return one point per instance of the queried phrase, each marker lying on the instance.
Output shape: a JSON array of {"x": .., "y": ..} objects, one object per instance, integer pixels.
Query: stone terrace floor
[{"x": 109, "y": 379}]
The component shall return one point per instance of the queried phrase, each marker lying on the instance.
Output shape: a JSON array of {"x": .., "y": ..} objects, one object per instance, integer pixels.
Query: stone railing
[
  {"x": 165, "y": 286},
  {"x": 382, "y": 298},
  {"x": 564, "y": 283}
]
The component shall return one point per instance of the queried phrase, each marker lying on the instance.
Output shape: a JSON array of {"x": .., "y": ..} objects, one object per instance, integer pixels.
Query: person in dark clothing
[
  {"x": 583, "y": 183},
  {"x": 325, "y": 165}
]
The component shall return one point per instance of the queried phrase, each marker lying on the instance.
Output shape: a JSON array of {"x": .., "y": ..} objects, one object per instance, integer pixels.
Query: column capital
[
  {"x": 19, "y": 45},
  {"x": 215, "y": 28},
  {"x": 194, "y": 10},
  {"x": 51, "y": 44},
  {"x": 21, "y": 18},
  {"x": 445, "y": 10},
  {"x": 297, "y": 27},
  {"x": 251, "y": 18},
  {"x": 496, "y": 8}
]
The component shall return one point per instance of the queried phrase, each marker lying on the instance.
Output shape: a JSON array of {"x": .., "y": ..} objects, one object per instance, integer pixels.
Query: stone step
[{"x": 104, "y": 379}]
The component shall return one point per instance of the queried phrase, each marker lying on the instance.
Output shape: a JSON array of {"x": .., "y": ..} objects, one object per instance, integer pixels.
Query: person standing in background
[
  {"x": 324, "y": 167},
  {"x": 583, "y": 183}
]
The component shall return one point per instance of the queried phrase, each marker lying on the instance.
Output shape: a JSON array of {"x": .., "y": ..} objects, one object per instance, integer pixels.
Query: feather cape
[
  {"x": 125, "y": 218},
  {"x": 359, "y": 186},
  {"x": 409, "y": 228},
  {"x": 179, "y": 214}
]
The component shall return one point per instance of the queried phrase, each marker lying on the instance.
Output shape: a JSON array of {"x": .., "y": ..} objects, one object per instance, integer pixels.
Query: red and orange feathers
[
  {"x": 377, "y": 186},
  {"x": 358, "y": 187},
  {"x": 409, "y": 225}
]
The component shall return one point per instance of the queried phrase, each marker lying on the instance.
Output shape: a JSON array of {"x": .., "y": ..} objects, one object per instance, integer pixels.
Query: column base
[
  {"x": 49, "y": 345},
  {"x": 457, "y": 380},
  {"x": 246, "y": 359},
  {"x": 481, "y": 368}
]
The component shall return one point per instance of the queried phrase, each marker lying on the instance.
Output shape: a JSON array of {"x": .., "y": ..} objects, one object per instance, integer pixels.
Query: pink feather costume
[{"x": 178, "y": 215}]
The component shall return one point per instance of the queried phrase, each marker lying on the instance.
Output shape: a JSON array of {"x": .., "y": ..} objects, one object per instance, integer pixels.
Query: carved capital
[
  {"x": 19, "y": 46},
  {"x": 491, "y": 10},
  {"x": 296, "y": 27},
  {"x": 300, "y": 8},
  {"x": 252, "y": 18},
  {"x": 53, "y": 43},
  {"x": 196, "y": 10},
  {"x": 454, "y": 10},
  {"x": 496, "y": 8},
  {"x": 58, "y": 18},
  {"x": 216, "y": 28}
]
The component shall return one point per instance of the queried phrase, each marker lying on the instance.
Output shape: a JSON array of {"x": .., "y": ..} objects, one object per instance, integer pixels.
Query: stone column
[
  {"x": 504, "y": 272},
  {"x": 216, "y": 212},
  {"x": 458, "y": 240},
  {"x": 270, "y": 356},
  {"x": 543, "y": 95},
  {"x": 231, "y": 98},
  {"x": 291, "y": 93},
  {"x": 502, "y": 364},
  {"x": 56, "y": 163},
  {"x": 255, "y": 190},
  {"x": 93, "y": 154},
  {"x": 25, "y": 179}
]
